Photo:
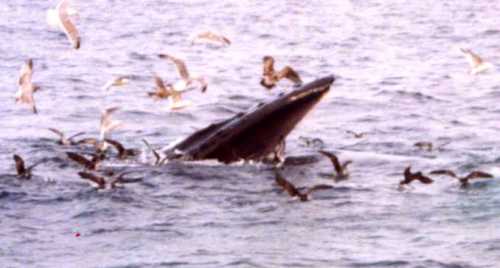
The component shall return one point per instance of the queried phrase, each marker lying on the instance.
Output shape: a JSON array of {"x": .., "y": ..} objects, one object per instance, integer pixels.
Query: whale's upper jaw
[{"x": 256, "y": 133}]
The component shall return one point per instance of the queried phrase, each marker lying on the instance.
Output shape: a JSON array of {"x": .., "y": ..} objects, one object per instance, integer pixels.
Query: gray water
[{"x": 400, "y": 78}]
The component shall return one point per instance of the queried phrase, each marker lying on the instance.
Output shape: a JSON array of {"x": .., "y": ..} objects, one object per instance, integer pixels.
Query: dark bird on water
[
  {"x": 62, "y": 138},
  {"x": 91, "y": 164},
  {"x": 293, "y": 191},
  {"x": 100, "y": 182},
  {"x": 24, "y": 172},
  {"x": 122, "y": 151},
  {"x": 418, "y": 176},
  {"x": 464, "y": 181},
  {"x": 340, "y": 168},
  {"x": 270, "y": 77}
]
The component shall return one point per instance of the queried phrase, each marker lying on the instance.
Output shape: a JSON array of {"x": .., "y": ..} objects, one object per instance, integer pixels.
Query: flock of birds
[{"x": 61, "y": 18}]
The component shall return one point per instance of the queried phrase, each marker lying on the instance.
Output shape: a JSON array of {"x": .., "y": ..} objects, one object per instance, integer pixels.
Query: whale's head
[{"x": 254, "y": 134}]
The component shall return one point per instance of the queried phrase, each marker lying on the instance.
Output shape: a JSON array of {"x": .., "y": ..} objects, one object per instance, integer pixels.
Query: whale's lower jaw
[{"x": 255, "y": 134}]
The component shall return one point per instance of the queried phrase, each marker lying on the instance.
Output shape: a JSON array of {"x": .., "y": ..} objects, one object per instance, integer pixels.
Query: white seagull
[
  {"x": 187, "y": 80},
  {"x": 211, "y": 38},
  {"x": 26, "y": 88},
  {"x": 477, "y": 64}
]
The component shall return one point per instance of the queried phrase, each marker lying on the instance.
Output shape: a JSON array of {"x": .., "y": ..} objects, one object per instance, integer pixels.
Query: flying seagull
[
  {"x": 477, "y": 64},
  {"x": 24, "y": 172},
  {"x": 116, "y": 81},
  {"x": 122, "y": 151},
  {"x": 62, "y": 138},
  {"x": 340, "y": 169},
  {"x": 270, "y": 77},
  {"x": 101, "y": 183},
  {"x": 26, "y": 89},
  {"x": 210, "y": 37},
  {"x": 107, "y": 124},
  {"x": 418, "y": 176},
  {"x": 294, "y": 191},
  {"x": 187, "y": 79}
]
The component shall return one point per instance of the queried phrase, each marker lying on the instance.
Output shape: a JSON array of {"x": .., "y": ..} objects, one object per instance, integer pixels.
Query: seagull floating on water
[
  {"x": 60, "y": 18},
  {"x": 26, "y": 89}
]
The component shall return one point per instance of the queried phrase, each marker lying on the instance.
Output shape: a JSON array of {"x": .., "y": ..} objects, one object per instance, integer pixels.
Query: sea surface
[{"x": 400, "y": 78}]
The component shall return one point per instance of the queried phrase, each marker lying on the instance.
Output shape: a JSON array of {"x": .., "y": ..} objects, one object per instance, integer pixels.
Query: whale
[{"x": 254, "y": 134}]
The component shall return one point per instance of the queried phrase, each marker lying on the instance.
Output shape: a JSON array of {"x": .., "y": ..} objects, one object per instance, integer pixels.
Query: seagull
[
  {"x": 115, "y": 82},
  {"x": 122, "y": 151},
  {"x": 210, "y": 37},
  {"x": 26, "y": 88},
  {"x": 464, "y": 181},
  {"x": 60, "y": 17},
  {"x": 340, "y": 169},
  {"x": 424, "y": 145},
  {"x": 107, "y": 124},
  {"x": 293, "y": 191},
  {"x": 24, "y": 172},
  {"x": 357, "y": 135},
  {"x": 477, "y": 64},
  {"x": 270, "y": 77},
  {"x": 91, "y": 164},
  {"x": 155, "y": 153},
  {"x": 409, "y": 177},
  {"x": 62, "y": 138},
  {"x": 101, "y": 183},
  {"x": 163, "y": 91},
  {"x": 186, "y": 79}
]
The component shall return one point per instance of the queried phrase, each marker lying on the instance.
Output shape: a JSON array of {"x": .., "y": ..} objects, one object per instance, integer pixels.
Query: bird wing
[
  {"x": 100, "y": 181},
  {"x": 75, "y": 135},
  {"x": 290, "y": 74},
  {"x": 478, "y": 174},
  {"x": 26, "y": 72},
  {"x": 335, "y": 161},
  {"x": 161, "y": 90},
  {"x": 119, "y": 147},
  {"x": 471, "y": 57},
  {"x": 423, "y": 179},
  {"x": 443, "y": 172},
  {"x": 68, "y": 26},
  {"x": 286, "y": 185},
  {"x": 267, "y": 65},
  {"x": 318, "y": 188},
  {"x": 203, "y": 83},
  {"x": 19, "y": 165},
  {"x": 79, "y": 159},
  {"x": 57, "y": 132},
  {"x": 155, "y": 153},
  {"x": 179, "y": 64}
]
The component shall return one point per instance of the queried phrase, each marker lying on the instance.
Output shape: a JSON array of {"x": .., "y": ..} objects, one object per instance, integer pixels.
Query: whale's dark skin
[{"x": 255, "y": 134}]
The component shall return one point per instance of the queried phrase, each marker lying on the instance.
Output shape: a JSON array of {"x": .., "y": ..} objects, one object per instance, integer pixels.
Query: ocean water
[{"x": 400, "y": 78}]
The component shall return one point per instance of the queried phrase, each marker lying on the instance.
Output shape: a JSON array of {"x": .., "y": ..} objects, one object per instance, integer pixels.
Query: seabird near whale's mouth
[{"x": 254, "y": 134}]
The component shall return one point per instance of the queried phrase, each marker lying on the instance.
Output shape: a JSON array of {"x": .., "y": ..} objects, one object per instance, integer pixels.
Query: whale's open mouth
[{"x": 256, "y": 133}]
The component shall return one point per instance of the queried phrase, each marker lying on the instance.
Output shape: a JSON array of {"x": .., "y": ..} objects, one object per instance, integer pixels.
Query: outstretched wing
[
  {"x": 179, "y": 64},
  {"x": 79, "y": 159},
  {"x": 100, "y": 181},
  {"x": 290, "y": 74},
  {"x": 286, "y": 185},
  {"x": 68, "y": 26},
  {"x": 478, "y": 175},
  {"x": 446, "y": 172},
  {"x": 21, "y": 170},
  {"x": 335, "y": 161}
]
